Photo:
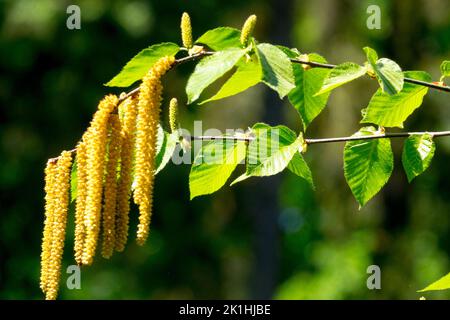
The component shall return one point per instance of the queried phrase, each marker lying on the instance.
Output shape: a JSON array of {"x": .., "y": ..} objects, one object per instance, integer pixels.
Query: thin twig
[
  {"x": 211, "y": 138},
  {"x": 308, "y": 140},
  {"x": 309, "y": 63},
  {"x": 410, "y": 80},
  {"x": 376, "y": 136}
]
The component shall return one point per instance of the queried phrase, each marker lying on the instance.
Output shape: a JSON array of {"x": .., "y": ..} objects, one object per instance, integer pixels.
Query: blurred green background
[{"x": 263, "y": 238}]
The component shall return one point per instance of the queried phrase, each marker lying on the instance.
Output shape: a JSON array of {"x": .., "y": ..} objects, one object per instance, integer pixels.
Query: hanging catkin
[
  {"x": 96, "y": 149},
  {"x": 50, "y": 195},
  {"x": 80, "y": 230},
  {"x": 128, "y": 138},
  {"x": 110, "y": 189},
  {"x": 58, "y": 189},
  {"x": 147, "y": 126}
]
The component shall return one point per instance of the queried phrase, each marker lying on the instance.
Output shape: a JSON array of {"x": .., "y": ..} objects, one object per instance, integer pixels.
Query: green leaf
[
  {"x": 445, "y": 69},
  {"x": 165, "y": 146},
  {"x": 391, "y": 111},
  {"x": 368, "y": 165},
  {"x": 388, "y": 73},
  {"x": 307, "y": 83},
  {"x": 271, "y": 150},
  {"x": 299, "y": 166},
  {"x": 140, "y": 64},
  {"x": 213, "y": 166},
  {"x": 291, "y": 53},
  {"x": 418, "y": 151},
  {"x": 248, "y": 74},
  {"x": 210, "y": 69},
  {"x": 371, "y": 54},
  {"x": 221, "y": 38},
  {"x": 441, "y": 284},
  {"x": 340, "y": 75},
  {"x": 74, "y": 181},
  {"x": 277, "y": 70}
]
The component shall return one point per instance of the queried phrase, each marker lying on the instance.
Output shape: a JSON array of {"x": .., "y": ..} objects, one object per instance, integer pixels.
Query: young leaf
[
  {"x": 441, "y": 284},
  {"x": 445, "y": 69},
  {"x": 307, "y": 83},
  {"x": 299, "y": 166},
  {"x": 391, "y": 111},
  {"x": 271, "y": 150},
  {"x": 210, "y": 69},
  {"x": 213, "y": 166},
  {"x": 277, "y": 70},
  {"x": 340, "y": 75},
  {"x": 388, "y": 73},
  {"x": 372, "y": 55},
  {"x": 368, "y": 165},
  {"x": 248, "y": 74},
  {"x": 139, "y": 65},
  {"x": 221, "y": 38},
  {"x": 165, "y": 146},
  {"x": 418, "y": 151}
]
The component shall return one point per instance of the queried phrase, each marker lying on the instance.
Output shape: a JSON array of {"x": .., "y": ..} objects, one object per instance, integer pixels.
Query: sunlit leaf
[
  {"x": 340, "y": 75},
  {"x": 221, "y": 38},
  {"x": 388, "y": 72},
  {"x": 441, "y": 284},
  {"x": 213, "y": 166},
  {"x": 368, "y": 164},
  {"x": 140, "y": 64},
  {"x": 418, "y": 151},
  {"x": 307, "y": 83},
  {"x": 248, "y": 74},
  {"x": 445, "y": 68},
  {"x": 271, "y": 150},
  {"x": 165, "y": 147},
  {"x": 391, "y": 111},
  {"x": 210, "y": 69},
  {"x": 277, "y": 70},
  {"x": 299, "y": 166},
  {"x": 74, "y": 181}
]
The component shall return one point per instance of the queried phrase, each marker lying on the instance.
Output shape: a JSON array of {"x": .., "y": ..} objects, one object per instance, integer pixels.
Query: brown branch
[
  {"x": 329, "y": 140},
  {"x": 376, "y": 136},
  {"x": 410, "y": 80},
  {"x": 309, "y": 140}
]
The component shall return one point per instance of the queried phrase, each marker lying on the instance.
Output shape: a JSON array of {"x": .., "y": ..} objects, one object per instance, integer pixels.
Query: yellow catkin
[
  {"x": 110, "y": 189},
  {"x": 147, "y": 126},
  {"x": 80, "y": 230},
  {"x": 173, "y": 110},
  {"x": 128, "y": 138},
  {"x": 60, "y": 191},
  {"x": 96, "y": 139},
  {"x": 50, "y": 195},
  {"x": 247, "y": 29},
  {"x": 186, "y": 30}
]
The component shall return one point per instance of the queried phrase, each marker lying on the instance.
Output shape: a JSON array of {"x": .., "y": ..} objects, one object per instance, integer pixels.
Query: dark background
[{"x": 263, "y": 238}]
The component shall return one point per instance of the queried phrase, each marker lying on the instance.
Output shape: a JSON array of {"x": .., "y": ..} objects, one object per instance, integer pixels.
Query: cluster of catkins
[{"x": 121, "y": 138}]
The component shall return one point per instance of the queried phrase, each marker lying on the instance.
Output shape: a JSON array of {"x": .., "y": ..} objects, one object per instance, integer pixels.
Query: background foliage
[{"x": 262, "y": 238}]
